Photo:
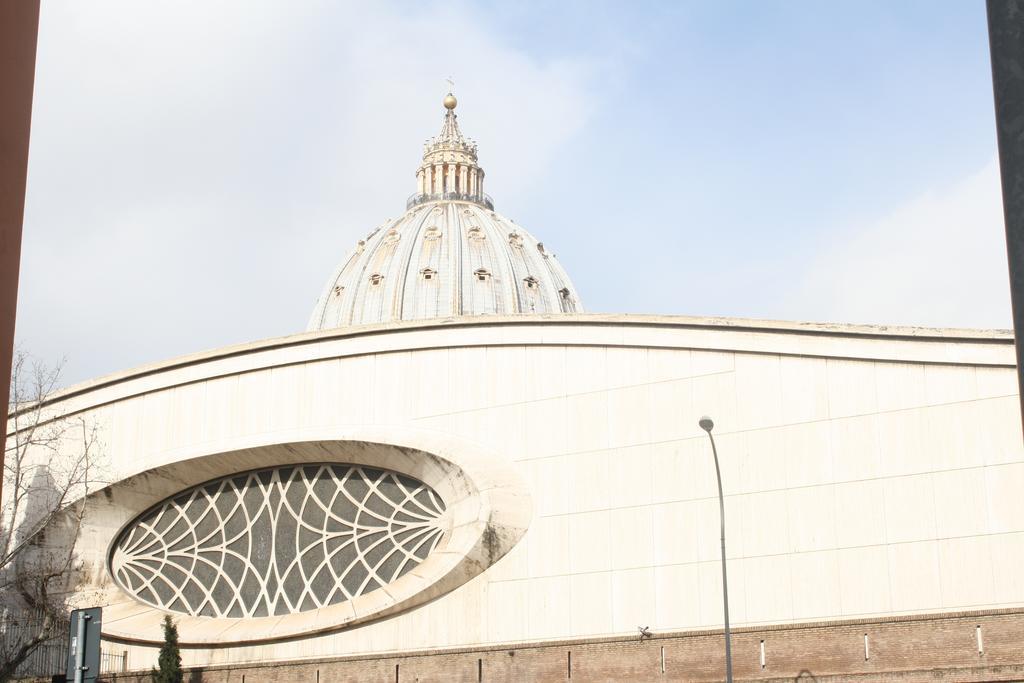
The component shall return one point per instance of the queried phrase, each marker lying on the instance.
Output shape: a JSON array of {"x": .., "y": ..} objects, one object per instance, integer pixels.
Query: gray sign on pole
[{"x": 84, "y": 649}]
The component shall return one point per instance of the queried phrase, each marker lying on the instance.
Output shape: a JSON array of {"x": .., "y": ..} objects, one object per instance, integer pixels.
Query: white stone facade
[{"x": 867, "y": 471}]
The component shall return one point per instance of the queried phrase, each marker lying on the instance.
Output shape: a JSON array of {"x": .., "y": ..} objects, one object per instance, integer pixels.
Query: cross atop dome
[{"x": 450, "y": 169}]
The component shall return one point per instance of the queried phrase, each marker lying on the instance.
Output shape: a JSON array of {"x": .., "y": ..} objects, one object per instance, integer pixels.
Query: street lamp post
[{"x": 707, "y": 425}]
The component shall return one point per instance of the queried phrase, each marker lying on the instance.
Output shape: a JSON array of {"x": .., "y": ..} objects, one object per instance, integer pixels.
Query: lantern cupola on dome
[{"x": 450, "y": 169}]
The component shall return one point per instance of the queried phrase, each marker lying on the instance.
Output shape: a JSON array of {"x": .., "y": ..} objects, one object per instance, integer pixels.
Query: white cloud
[
  {"x": 937, "y": 260},
  {"x": 197, "y": 169}
]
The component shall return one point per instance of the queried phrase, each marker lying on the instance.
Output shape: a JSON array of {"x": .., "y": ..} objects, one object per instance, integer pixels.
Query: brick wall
[{"x": 904, "y": 649}]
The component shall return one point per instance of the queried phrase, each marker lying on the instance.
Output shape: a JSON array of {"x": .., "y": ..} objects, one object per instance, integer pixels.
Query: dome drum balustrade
[{"x": 482, "y": 199}]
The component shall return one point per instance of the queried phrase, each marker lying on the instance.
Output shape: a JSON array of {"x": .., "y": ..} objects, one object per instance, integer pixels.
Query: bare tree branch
[{"x": 50, "y": 465}]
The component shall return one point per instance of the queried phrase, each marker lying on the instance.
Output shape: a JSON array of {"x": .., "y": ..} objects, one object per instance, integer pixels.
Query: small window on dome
[
  {"x": 338, "y": 289},
  {"x": 432, "y": 233},
  {"x": 392, "y": 236},
  {"x": 515, "y": 239},
  {"x": 482, "y": 274},
  {"x": 540, "y": 248},
  {"x": 476, "y": 233},
  {"x": 564, "y": 292},
  {"x": 531, "y": 282},
  {"x": 376, "y": 279},
  {"x": 428, "y": 273}
]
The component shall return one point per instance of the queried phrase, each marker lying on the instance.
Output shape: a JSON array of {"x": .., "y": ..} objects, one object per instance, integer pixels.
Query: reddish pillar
[{"x": 19, "y": 28}]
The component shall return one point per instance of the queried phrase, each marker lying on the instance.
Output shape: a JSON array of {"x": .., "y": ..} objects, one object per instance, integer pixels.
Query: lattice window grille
[{"x": 278, "y": 541}]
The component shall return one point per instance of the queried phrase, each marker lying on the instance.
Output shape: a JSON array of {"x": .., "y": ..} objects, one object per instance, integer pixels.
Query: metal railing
[
  {"x": 481, "y": 198},
  {"x": 50, "y": 657},
  {"x": 113, "y": 662}
]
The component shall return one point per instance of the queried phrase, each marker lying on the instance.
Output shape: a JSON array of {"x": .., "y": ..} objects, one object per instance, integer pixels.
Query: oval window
[{"x": 278, "y": 541}]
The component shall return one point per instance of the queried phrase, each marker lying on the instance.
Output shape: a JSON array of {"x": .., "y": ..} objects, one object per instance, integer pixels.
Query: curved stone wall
[{"x": 868, "y": 472}]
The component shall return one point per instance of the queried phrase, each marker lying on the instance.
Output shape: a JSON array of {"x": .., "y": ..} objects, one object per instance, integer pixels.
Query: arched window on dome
[
  {"x": 428, "y": 273},
  {"x": 515, "y": 240},
  {"x": 392, "y": 236},
  {"x": 376, "y": 279},
  {"x": 432, "y": 233},
  {"x": 531, "y": 282},
  {"x": 476, "y": 233},
  {"x": 338, "y": 289},
  {"x": 482, "y": 274},
  {"x": 565, "y": 294}
]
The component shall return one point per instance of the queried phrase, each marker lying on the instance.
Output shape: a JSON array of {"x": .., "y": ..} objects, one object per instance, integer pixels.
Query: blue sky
[{"x": 198, "y": 170}]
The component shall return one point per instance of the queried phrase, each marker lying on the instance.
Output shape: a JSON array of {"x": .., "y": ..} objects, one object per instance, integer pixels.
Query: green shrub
[{"x": 169, "y": 670}]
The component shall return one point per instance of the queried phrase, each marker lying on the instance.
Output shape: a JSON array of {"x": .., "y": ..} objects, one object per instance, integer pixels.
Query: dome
[{"x": 450, "y": 254}]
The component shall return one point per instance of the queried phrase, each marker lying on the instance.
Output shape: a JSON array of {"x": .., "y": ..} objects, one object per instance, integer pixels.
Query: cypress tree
[{"x": 170, "y": 656}]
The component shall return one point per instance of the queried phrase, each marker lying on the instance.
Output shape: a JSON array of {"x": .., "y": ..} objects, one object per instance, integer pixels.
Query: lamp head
[{"x": 706, "y": 424}]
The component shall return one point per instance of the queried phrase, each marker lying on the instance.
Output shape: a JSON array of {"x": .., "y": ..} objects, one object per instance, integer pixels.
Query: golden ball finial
[{"x": 450, "y": 101}]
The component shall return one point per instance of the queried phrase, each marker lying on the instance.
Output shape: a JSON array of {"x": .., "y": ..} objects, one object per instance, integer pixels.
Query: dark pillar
[
  {"x": 19, "y": 27},
  {"x": 1006, "y": 40}
]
